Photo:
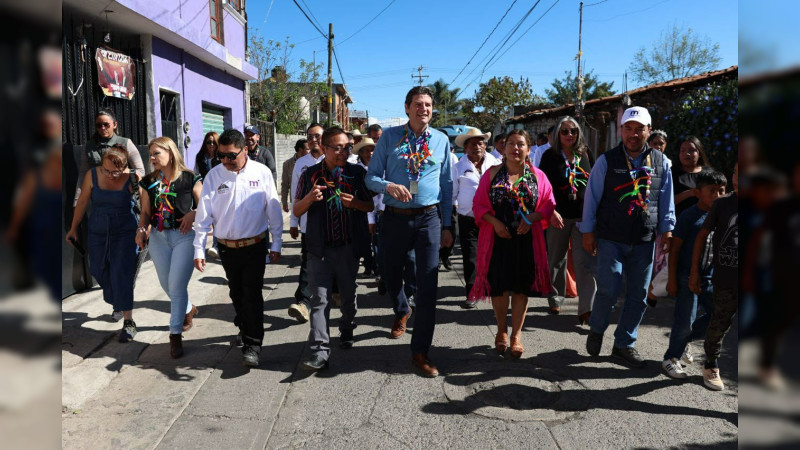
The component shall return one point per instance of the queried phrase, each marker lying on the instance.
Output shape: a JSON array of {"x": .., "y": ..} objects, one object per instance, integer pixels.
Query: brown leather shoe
[
  {"x": 175, "y": 346},
  {"x": 516, "y": 347},
  {"x": 554, "y": 310},
  {"x": 399, "y": 325},
  {"x": 423, "y": 367},
  {"x": 583, "y": 319},
  {"x": 187, "y": 321}
]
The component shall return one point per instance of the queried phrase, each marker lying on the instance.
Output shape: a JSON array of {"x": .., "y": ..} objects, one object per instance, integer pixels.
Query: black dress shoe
[
  {"x": 448, "y": 266},
  {"x": 381, "y": 286},
  {"x": 316, "y": 362},
  {"x": 630, "y": 355},
  {"x": 594, "y": 341},
  {"x": 346, "y": 339},
  {"x": 237, "y": 341},
  {"x": 250, "y": 356}
]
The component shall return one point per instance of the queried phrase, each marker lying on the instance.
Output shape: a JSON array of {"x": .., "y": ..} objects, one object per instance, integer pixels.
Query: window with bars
[{"x": 215, "y": 7}]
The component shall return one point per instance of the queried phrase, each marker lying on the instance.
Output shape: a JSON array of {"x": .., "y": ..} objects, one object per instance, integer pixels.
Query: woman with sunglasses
[
  {"x": 105, "y": 137},
  {"x": 207, "y": 156},
  {"x": 168, "y": 211},
  {"x": 567, "y": 165},
  {"x": 112, "y": 228}
]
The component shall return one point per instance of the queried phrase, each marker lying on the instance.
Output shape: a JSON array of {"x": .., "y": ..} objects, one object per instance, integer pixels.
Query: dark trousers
[
  {"x": 303, "y": 292},
  {"x": 244, "y": 269},
  {"x": 409, "y": 270},
  {"x": 726, "y": 303},
  {"x": 468, "y": 238},
  {"x": 423, "y": 234}
]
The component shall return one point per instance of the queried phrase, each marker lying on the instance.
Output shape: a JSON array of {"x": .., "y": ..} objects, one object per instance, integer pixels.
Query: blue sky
[{"x": 378, "y": 60}]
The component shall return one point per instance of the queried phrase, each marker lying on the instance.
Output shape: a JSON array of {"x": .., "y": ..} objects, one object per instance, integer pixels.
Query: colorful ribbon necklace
[
  {"x": 574, "y": 174},
  {"x": 518, "y": 192},
  {"x": 163, "y": 207},
  {"x": 641, "y": 180},
  {"x": 415, "y": 161},
  {"x": 338, "y": 184}
]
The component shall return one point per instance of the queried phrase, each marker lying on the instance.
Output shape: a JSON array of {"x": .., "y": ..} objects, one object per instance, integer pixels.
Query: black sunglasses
[
  {"x": 102, "y": 125},
  {"x": 568, "y": 131},
  {"x": 231, "y": 155}
]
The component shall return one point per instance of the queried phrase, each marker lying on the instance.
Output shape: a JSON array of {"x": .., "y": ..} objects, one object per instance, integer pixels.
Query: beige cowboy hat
[
  {"x": 471, "y": 133},
  {"x": 355, "y": 132},
  {"x": 366, "y": 142}
]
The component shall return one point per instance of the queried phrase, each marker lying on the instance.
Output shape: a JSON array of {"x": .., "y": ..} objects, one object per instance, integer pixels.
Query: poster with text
[{"x": 115, "y": 73}]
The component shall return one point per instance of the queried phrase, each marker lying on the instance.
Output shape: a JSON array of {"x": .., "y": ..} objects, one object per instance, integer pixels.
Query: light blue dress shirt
[
  {"x": 594, "y": 193},
  {"x": 436, "y": 182}
]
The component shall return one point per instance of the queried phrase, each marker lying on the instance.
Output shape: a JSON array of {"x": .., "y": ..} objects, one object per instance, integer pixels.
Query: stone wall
[{"x": 284, "y": 149}]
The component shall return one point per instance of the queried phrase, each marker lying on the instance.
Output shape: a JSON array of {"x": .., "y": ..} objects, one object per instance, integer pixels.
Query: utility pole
[
  {"x": 579, "y": 105},
  {"x": 316, "y": 94},
  {"x": 330, "y": 75},
  {"x": 420, "y": 76}
]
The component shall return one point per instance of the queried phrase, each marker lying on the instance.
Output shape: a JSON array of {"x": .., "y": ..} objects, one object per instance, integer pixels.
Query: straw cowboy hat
[
  {"x": 355, "y": 132},
  {"x": 471, "y": 133},
  {"x": 366, "y": 142}
]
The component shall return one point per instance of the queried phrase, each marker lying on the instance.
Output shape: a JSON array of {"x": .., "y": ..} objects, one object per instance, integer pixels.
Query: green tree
[
  {"x": 494, "y": 101},
  {"x": 677, "y": 53},
  {"x": 277, "y": 95},
  {"x": 565, "y": 90},
  {"x": 446, "y": 102}
]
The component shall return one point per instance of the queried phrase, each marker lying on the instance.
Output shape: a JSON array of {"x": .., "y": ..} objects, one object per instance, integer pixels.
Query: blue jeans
[
  {"x": 686, "y": 326},
  {"x": 423, "y": 234},
  {"x": 637, "y": 262},
  {"x": 172, "y": 253}
]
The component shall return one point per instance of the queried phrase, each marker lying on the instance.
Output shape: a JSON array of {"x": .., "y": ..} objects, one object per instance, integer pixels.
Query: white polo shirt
[
  {"x": 465, "y": 182},
  {"x": 306, "y": 161},
  {"x": 239, "y": 204}
]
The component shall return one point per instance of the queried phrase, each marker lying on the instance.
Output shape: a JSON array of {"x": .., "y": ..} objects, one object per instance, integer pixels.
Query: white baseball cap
[{"x": 638, "y": 114}]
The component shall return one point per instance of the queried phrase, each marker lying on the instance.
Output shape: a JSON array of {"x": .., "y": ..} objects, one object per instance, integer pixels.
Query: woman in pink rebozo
[{"x": 512, "y": 207}]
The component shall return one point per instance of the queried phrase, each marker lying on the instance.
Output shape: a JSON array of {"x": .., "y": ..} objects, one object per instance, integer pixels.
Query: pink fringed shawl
[{"x": 481, "y": 205}]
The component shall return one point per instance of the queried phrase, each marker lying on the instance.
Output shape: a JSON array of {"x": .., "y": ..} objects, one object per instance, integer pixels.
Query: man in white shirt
[
  {"x": 297, "y": 225},
  {"x": 240, "y": 200},
  {"x": 466, "y": 176},
  {"x": 543, "y": 144},
  {"x": 499, "y": 147}
]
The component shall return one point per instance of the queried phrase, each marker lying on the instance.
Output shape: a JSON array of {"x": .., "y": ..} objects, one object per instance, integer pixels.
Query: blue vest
[{"x": 613, "y": 221}]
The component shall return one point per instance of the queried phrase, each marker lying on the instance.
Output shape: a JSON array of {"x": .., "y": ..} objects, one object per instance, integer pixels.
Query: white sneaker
[
  {"x": 116, "y": 316},
  {"x": 212, "y": 252},
  {"x": 687, "y": 359},
  {"x": 673, "y": 369},
  {"x": 712, "y": 379}
]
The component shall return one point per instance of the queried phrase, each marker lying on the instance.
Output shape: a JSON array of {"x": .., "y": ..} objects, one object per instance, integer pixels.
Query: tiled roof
[{"x": 677, "y": 82}]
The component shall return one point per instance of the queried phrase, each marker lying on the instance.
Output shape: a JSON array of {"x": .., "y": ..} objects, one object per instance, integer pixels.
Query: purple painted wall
[
  {"x": 190, "y": 19},
  {"x": 197, "y": 84}
]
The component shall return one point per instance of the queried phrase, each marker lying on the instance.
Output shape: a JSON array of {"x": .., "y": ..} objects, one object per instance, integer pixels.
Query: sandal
[
  {"x": 516, "y": 347},
  {"x": 501, "y": 342}
]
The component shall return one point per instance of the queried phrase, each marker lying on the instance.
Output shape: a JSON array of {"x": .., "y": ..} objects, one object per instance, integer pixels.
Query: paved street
[{"x": 135, "y": 396}]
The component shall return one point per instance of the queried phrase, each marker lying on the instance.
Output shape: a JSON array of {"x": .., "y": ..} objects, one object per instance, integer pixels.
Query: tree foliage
[
  {"x": 677, "y": 53},
  {"x": 277, "y": 95},
  {"x": 565, "y": 90},
  {"x": 494, "y": 101}
]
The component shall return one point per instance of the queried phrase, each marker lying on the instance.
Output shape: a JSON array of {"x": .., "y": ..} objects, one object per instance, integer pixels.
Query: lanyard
[{"x": 642, "y": 180}]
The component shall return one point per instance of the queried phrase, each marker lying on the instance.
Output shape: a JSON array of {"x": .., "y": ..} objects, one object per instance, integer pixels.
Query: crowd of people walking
[{"x": 531, "y": 218}]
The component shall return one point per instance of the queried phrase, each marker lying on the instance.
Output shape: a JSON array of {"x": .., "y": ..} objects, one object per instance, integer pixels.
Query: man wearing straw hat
[{"x": 466, "y": 176}]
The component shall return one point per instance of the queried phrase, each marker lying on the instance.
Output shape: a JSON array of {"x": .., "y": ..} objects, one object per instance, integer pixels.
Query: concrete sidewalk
[{"x": 135, "y": 396}]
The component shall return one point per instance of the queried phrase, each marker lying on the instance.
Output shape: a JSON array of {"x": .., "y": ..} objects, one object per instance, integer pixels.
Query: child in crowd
[
  {"x": 723, "y": 221},
  {"x": 686, "y": 326}
]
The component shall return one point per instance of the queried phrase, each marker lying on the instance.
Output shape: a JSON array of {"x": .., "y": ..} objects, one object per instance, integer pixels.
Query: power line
[
  {"x": 626, "y": 14},
  {"x": 365, "y": 26},
  {"x": 497, "y": 47},
  {"x": 335, "y": 57},
  {"x": 500, "y": 55},
  {"x": 595, "y": 4},
  {"x": 311, "y": 11},
  {"x": 309, "y": 19},
  {"x": 484, "y": 42}
]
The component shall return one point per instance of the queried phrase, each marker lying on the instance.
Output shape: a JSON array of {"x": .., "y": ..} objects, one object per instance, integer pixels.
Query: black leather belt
[{"x": 410, "y": 211}]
